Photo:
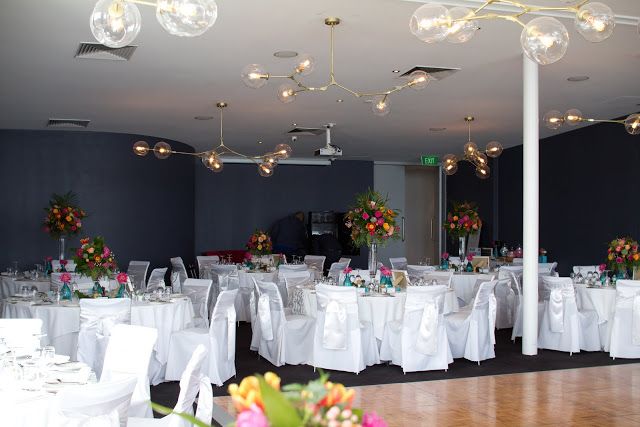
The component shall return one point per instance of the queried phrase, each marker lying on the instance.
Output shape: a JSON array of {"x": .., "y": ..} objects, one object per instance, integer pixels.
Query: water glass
[
  {"x": 31, "y": 376},
  {"x": 48, "y": 355}
]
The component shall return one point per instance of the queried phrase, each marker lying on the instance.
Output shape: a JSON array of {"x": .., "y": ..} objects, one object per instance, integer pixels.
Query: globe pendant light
[{"x": 555, "y": 119}]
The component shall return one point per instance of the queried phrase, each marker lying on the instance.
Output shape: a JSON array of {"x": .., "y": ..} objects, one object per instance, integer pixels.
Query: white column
[{"x": 530, "y": 206}]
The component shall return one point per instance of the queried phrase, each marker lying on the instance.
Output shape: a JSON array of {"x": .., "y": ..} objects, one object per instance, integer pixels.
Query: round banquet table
[
  {"x": 12, "y": 285},
  {"x": 61, "y": 323},
  {"x": 377, "y": 308},
  {"x": 464, "y": 285}
]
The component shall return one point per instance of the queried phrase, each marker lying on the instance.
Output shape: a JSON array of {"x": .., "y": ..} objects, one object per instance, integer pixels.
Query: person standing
[{"x": 289, "y": 235}]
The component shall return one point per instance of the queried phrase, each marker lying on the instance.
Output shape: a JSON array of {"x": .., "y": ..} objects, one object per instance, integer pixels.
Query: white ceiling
[{"x": 170, "y": 79}]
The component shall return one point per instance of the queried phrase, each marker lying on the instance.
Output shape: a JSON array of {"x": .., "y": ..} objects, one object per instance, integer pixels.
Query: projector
[{"x": 329, "y": 150}]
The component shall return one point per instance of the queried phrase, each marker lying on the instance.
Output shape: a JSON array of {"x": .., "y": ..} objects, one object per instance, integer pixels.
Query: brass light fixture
[
  {"x": 116, "y": 23},
  {"x": 212, "y": 159},
  {"x": 554, "y": 119},
  {"x": 543, "y": 39},
  {"x": 255, "y": 76},
  {"x": 473, "y": 155}
]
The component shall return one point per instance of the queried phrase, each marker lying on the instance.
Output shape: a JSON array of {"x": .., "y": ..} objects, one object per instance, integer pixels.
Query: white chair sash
[
  {"x": 556, "y": 310},
  {"x": 204, "y": 412},
  {"x": 427, "y": 341},
  {"x": 493, "y": 309},
  {"x": 231, "y": 339},
  {"x": 635, "y": 320},
  {"x": 334, "y": 335},
  {"x": 264, "y": 317}
]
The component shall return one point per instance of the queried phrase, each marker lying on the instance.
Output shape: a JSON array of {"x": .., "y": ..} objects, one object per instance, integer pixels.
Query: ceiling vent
[
  {"x": 307, "y": 131},
  {"x": 98, "y": 51},
  {"x": 438, "y": 73},
  {"x": 68, "y": 123}
]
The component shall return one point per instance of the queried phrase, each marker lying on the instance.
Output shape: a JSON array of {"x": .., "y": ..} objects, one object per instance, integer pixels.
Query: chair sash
[
  {"x": 493, "y": 308},
  {"x": 231, "y": 339},
  {"x": 427, "y": 341},
  {"x": 634, "y": 300},
  {"x": 556, "y": 309},
  {"x": 204, "y": 411},
  {"x": 264, "y": 317},
  {"x": 334, "y": 334}
]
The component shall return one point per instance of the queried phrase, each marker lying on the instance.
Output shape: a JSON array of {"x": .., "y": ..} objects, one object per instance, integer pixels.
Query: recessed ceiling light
[
  {"x": 259, "y": 142},
  {"x": 294, "y": 124},
  {"x": 339, "y": 100},
  {"x": 578, "y": 78},
  {"x": 395, "y": 71},
  {"x": 203, "y": 117},
  {"x": 437, "y": 129},
  {"x": 285, "y": 54}
]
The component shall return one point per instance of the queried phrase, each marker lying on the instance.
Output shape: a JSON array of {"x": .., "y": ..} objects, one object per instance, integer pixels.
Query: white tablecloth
[
  {"x": 10, "y": 285},
  {"x": 378, "y": 309},
  {"x": 600, "y": 299},
  {"x": 463, "y": 284},
  {"x": 61, "y": 325}
]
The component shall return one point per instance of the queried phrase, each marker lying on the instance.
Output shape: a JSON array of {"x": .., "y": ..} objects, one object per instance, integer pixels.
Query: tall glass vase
[
  {"x": 462, "y": 248},
  {"x": 373, "y": 259},
  {"x": 62, "y": 240}
]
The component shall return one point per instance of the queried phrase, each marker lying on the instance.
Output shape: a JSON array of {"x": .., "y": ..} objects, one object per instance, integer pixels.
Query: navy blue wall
[
  {"x": 142, "y": 206},
  {"x": 230, "y": 205}
]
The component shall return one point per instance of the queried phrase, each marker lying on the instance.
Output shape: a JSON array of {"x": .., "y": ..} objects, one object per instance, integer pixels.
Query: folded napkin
[{"x": 80, "y": 376}]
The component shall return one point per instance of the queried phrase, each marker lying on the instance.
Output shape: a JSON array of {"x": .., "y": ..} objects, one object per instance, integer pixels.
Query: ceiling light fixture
[
  {"x": 116, "y": 23},
  {"x": 212, "y": 159},
  {"x": 473, "y": 155},
  {"x": 543, "y": 39},
  {"x": 256, "y": 76},
  {"x": 578, "y": 78},
  {"x": 554, "y": 119}
]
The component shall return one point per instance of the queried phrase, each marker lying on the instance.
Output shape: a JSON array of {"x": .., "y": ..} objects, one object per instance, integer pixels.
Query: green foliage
[{"x": 278, "y": 409}]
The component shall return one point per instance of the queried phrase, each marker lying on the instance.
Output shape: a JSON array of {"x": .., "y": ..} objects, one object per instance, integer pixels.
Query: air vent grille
[
  {"x": 68, "y": 123},
  {"x": 438, "y": 73},
  {"x": 307, "y": 131},
  {"x": 98, "y": 51}
]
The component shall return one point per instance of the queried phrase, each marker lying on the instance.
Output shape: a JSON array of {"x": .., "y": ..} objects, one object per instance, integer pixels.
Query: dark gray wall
[
  {"x": 141, "y": 205},
  {"x": 230, "y": 205}
]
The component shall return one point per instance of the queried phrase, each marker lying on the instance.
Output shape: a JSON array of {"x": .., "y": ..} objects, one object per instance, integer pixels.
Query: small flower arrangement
[
  {"x": 602, "y": 267},
  {"x": 94, "y": 258},
  {"x": 623, "y": 254},
  {"x": 122, "y": 278},
  {"x": 470, "y": 257},
  {"x": 63, "y": 217},
  {"x": 371, "y": 220},
  {"x": 445, "y": 256},
  {"x": 385, "y": 271},
  {"x": 347, "y": 270},
  {"x": 65, "y": 278},
  {"x": 462, "y": 220},
  {"x": 259, "y": 243},
  {"x": 63, "y": 265}
]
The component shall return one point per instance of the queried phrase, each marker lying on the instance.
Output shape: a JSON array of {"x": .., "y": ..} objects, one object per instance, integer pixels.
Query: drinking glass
[
  {"x": 427, "y": 261},
  {"x": 31, "y": 375},
  {"x": 48, "y": 355}
]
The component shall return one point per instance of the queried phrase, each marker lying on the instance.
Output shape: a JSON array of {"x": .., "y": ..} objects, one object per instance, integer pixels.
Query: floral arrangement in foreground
[
  {"x": 462, "y": 220},
  {"x": 259, "y": 243},
  {"x": 623, "y": 254},
  {"x": 371, "y": 220},
  {"x": 63, "y": 216},
  {"x": 94, "y": 259}
]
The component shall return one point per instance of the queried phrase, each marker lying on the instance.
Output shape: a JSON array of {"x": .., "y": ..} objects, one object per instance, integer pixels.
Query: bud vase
[
  {"x": 65, "y": 292},
  {"x": 347, "y": 280},
  {"x": 462, "y": 248}
]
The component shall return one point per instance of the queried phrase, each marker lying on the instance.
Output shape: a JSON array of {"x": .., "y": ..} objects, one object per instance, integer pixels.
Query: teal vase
[
  {"x": 469, "y": 268},
  {"x": 444, "y": 264},
  {"x": 97, "y": 289},
  {"x": 121, "y": 291},
  {"x": 347, "y": 280},
  {"x": 65, "y": 292}
]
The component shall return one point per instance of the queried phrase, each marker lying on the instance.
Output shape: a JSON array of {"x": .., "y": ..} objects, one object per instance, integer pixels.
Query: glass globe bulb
[
  {"x": 254, "y": 75},
  {"x": 286, "y": 93},
  {"x": 217, "y": 166},
  {"x": 481, "y": 158},
  {"x": 573, "y": 117},
  {"x": 162, "y": 150},
  {"x": 430, "y": 23},
  {"x": 305, "y": 65},
  {"x": 449, "y": 159},
  {"x": 545, "y": 40},
  {"x": 283, "y": 151},
  {"x": 461, "y": 31},
  {"x": 494, "y": 149},
  {"x": 115, "y": 23},
  {"x": 186, "y": 18},
  {"x": 595, "y": 21},
  {"x": 265, "y": 170},
  {"x": 470, "y": 148},
  {"x": 451, "y": 168},
  {"x": 141, "y": 148},
  {"x": 553, "y": 119},
  {"x": 632, "y": 124},
  {"x": 381, "y": 106},
  {"x": 418, "y": 80},
  {"x": 483, "y": 172}
]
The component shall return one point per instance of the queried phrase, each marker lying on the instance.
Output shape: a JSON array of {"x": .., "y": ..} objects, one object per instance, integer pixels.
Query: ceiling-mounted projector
[{"x": 329, "y": 150}]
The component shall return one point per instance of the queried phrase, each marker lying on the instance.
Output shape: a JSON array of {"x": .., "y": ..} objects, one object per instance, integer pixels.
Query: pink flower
[
  {"x": 105, "y": 252},
  {"x": 347, "y": 270},
  {"x": 65, "y": 277},
  {"x": 79, "y": 252},
  {"x": 121, "y": 278},
  {"x": 74, "y": 228},
  {"x": 63, "y": 262},
  {"x": 390, "y": 231},
  {"x": 378, "y": 214},
  {"x": 247, "y": 255},
  {"x": 385, "y": 271},
  {"x": 618, "y": 248},
  {"x": 372, "y": 419},
  {"x": 602, "y": 267},
  {"x": 380, "y": 221},
  {"x": 445, "y": 255},
  {"x": 365, "y": 216},
  {"x": 619, "y": 260},
  {"x": 470, "y": 257},
  {"x": 252, "y": 417}
]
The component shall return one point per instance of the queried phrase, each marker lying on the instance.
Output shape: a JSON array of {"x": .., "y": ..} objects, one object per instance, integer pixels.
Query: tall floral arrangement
[
  {"x": 94, "y": 258},
  {"x": 371, "y": 220},
  {"x": 623, "y": 254},
  {"x": 260, "y": 243},
  {"x": 462, "y": 220},
  {"x": 63, "y": 216}
]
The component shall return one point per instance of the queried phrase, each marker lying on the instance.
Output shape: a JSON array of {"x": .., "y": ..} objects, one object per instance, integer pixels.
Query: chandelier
[
  {"x": 255, "y": 76},
  {"x": 473, "y": 155},
  {"x": 212, "y": 159},
  {"x": 554, "y": 119},
  {"x": 543, "y": 39},
  {"x": 116, "y": 23}
]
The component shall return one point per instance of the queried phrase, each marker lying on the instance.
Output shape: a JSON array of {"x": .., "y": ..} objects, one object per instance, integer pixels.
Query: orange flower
[
  {"x": 385, "y": 226},
  {"x": 636, "y": 257},
  {"x": 248, "y": 392},
  {"x": 337, "y": 394},
  {"x": 91, "y": 250},
  {"x": 97, "y": 258},
  {"x": 455, "y": 217},
  {"x": 371, "y": 226}
]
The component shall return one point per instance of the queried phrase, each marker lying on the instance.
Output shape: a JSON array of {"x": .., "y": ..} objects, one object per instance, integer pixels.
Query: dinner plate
[{"x": 68, "y": 366}]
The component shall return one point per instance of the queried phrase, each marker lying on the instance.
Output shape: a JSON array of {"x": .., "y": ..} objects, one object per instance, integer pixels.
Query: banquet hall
[{"x": 331, "y": 213}]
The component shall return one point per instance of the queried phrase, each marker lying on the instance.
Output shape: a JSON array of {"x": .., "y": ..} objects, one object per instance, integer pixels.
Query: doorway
[{"x": 422, "y": 207}]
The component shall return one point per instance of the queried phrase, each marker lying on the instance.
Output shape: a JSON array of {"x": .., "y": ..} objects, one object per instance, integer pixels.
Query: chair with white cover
[
  {"x": 507, "y": 296},
  {"x": 282, "y": 338},
  {"x": 454, "y": 260},
  {"x": 625, "y": 328},
  {"x": 295, "y": 296},
  {"x": 583, "y": 270},
  {"x": 337, "y": 268},
  {"x": 472, "y": 332},
  {"x": 399, "y": 263},
  {"x": 562, "y": 326},
  {"x": 105, "y": 404},
  {"x": 547, "y": 267},
  {"x": 441, "y": 277},
  {"x": 98, "y": 318},
  {"x": 219, "y": 339},
  {"x": 419, "y": 341},
  {"x": 316, "y": 264},
  {"x": 344, "y": 259},
  {"x": 225, "y": 277},
  {"x": 283, "y": 275},
  {"x": 128, "y": 355},
  {"x": 292, "y": 267},
  {"x": 204, "y": 265},
  {"x": 517, "y": 315},
  {"x": 177, "y": 266},
  {"x": 21, "y": 335},
  {"x": 138, "y": 270},
  {"x": 341, "y": 341},
  {"x": 69, "y": 267},
  {"x": 415, "y": 272},
  {"x": 198, "y": 291},
  {"x": 156, "y": 279}
]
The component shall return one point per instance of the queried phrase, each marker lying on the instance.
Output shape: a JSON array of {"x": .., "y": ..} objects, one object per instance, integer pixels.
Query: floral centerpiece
[
  {"x": 623, "y": 255},
  {"x": 385, "y": 276},
  {"x": 462, "y": 221},
  {"x": 259, "y": 243},
  {"x": 63, "y": 218},
  {"x": 444, "y": 261},
  {"x": 347, "y": 276},
  {"x": 469, "y": 267},
  {"x": 94, "y": 259},
  {"x": 65, "y": 291}
]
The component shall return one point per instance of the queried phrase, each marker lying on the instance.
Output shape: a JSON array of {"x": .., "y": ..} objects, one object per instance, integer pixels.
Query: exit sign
[{"x": 430, "y": 160}]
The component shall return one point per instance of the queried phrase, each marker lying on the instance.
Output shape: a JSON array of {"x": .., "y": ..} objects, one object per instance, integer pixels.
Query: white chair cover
[
  {"x": 104, "y": 404},
  {"x": 472, "y": 333},
  {"x": 295, "y": 297},
  {"x": 292, "y": 267},
  {"x": 204, "y": 265},
  {"x": 198, "y": 291},
  {"x": 347, "y": 260},
  {"x": 419, "y": 342},
  {"x": 315, "y": 263},
  {"x": 177, "y": 266},
  {"x": 70, "y": 267},
  {"x": 441, "y": 277},
  {"x": 283, "y": 275},
  {"x": 337, "y": 268},
  {"x": 415, "y": 272},
  {"x": 138, "y": 269},
  {"x": 98, "y": 317},
  {"x": 625, "y": 328},
  {"x": 585, "y": 269},
  {"x": 399, "y": 263},
  {"x": 128, "y": 354},
  {"x": 21, "y": 335},
  {"x": 156, "y": 279},
  {"x": 341, "y": 341},
  {"x": 506, "y": 296},
  {"x": 225, "y": 277},
  {"x": 547, "y": 267}
]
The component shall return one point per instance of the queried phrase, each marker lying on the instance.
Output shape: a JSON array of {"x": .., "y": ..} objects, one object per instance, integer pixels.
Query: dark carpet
[{"x": 509, "y": 360}]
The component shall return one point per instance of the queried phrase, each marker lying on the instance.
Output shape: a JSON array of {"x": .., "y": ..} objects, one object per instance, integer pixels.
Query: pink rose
[
  {"x": 79, "y": 252},
  {"x": 602, "y": 267},
  {"x": 122, "y": 278},
  {"x": 63, "y": 262},
  {"x": 372, "y": 419},
  {"x": 347, "y": 270},
  {"x": 445, "y": 255},
  {"x": 247, "y": 255},
  {"x": 618, "y": 248},
  {"x": 252, "y": 417},
  {"x": 365, "y": 216},
  {"x": 74, "y": 228},
  {"x": 65, "y": 277},
  {"x": 378, "y": 214},
  {"x": 619, "y": 260},
  {"x": 470, "y": 257},
  {"x": 380, "y": 221},
  {"x": 105, "y": 252}
]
